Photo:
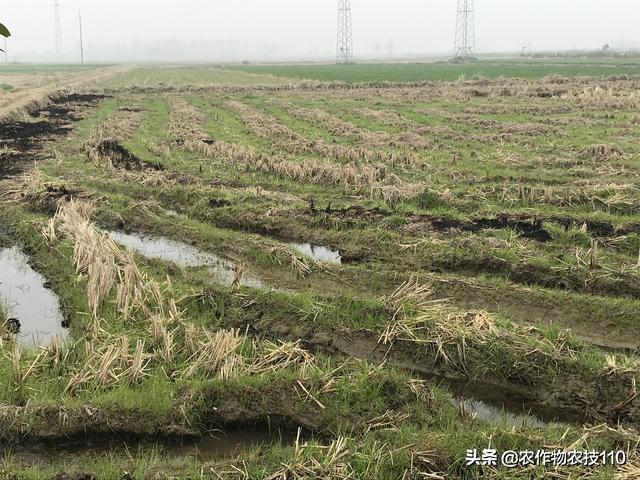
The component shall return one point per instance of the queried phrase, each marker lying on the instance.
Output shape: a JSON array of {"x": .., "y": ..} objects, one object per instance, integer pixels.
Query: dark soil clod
[
  {"x": 24, "y": 140},
  {"x": 79, "y": 476},
  {"x": 111, "y": 151},
  {"x": 12, "y": 326},
  {"x": 217, "y": 203},
  {"x": 540, "y": 235}
]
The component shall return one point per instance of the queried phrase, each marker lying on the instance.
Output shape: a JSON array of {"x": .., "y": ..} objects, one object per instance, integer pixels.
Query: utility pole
[
  {"x": 465, "y": 42},
  {"x": 6, "y": 52},
  {"x": 58, "y": 31},
  {"x": 81, "y": 39},
  {"x": 344, "y": 45}
]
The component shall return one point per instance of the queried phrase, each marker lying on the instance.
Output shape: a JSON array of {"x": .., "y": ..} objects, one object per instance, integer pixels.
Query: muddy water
[
  {"x": 318, "y": 253},
  {"x": 183, "y": 255},
  {"x": 500, "y": 412},
  {"x": 499, "y": 405},
  {"x": 218, "y": 445},
  {"x": 23, "y": 296},
  {"x": 494, "y": 405},
  {"x": 230, "y": 443},
  {"x": 491, "y": 402}
]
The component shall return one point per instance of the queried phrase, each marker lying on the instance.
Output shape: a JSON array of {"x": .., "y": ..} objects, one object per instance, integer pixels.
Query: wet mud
[
  {"x": 494, "y": 401},
  {"x": 623, "y": 285},
  {"x": 219, "y": 444},
  {"x": 572, "y": 400},
  {"x": 528, "y": 226}
]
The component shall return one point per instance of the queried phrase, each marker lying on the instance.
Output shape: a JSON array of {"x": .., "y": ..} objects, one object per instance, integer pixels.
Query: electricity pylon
[
  {"x": 344, "y": 47},
  {"x": 465, "y": 42}
]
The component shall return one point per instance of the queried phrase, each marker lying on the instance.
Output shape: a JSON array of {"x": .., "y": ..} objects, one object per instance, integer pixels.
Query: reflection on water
[
  {"x": 493, "y": 414},
  {"x": 318, "y": 253},
  {"x": 498, "y": 405},
  {"x": 183, "y": 255},
  {"x": 24, "y": 297}
]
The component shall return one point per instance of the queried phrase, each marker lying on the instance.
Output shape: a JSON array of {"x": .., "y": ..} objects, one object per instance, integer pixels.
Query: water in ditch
[
  {"x": 32, "y": 309},
  {"x": 215, "y": 446},
  {"x": 184, "y": 255},
  {"x": 318, "y": 253}
]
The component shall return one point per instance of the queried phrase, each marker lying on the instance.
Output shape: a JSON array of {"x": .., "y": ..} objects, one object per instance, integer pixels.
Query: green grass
[
  {"x": 185, "y": 76},
  {"x": 425, "y": 72}
]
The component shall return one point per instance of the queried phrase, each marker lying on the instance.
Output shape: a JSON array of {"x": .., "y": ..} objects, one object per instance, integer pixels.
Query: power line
[
  {"x": 344, "y": 45},
  {"x": 465, "y": 42},
  {"x": 81, "y": 39},
  {"x": 58, "y": 31}
]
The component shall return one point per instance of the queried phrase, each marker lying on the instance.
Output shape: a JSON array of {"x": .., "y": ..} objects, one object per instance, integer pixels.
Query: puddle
[
  {"x": 497, "y": 406},
  {"x": 492, "y": 414},
  {"x": 500, "y": 406},
  {"x": 183, "y": 255},
  {"x": 318, "y": 253},
  {"x": 218, "y": 445},
  {"x": 230, "y": 444},
  {"x": 24, "y": 297}
]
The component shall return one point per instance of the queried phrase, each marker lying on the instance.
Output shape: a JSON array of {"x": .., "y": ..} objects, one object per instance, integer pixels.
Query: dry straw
[
  {"x": 217, "y": 353},
  {"x": 103, "y": 263},
  {"x": 281, "y": 355},
  {"x": 371, "y": 141},
  {"x": 602, "y": 151},
  {"x": 187, "y": 131},
  {"x": 94, "y": 253},
  {"x": 328, "y": 462}
]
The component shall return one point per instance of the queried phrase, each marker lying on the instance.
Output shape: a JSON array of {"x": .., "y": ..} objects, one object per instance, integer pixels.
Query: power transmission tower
[
  {"x": 58, "y": 32},
  {"x": 465, "y": 43},
  {"x": 344, "y": 47},
  {"x": 81, "y": 39}
]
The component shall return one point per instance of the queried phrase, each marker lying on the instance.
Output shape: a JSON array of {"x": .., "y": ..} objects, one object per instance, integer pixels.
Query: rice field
[
  {"x": 364, "y": 278},
  {"x": 445, "y": 71}
]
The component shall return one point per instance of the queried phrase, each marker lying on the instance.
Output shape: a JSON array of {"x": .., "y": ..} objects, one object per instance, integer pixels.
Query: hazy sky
[{"x": 234, "y": 30}]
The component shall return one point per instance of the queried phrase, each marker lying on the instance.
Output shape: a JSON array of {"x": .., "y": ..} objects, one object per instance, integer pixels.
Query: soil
[
  {"x": 26, "y": 141},
  {"x": 277, "y": 406},
  {"x": 47, "y": 426},
  {"x": 530, "y": 227},
  {"x": 29, "y": 98},
  {"x": 573, "y": 400},
  {"x": 521, "y": 306},
  {"x": 525, "y": 274},
  {"x": 76, "y": 476},
  {"x": 220, "y": 444},
  {"x": 121, "y": 158}
]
